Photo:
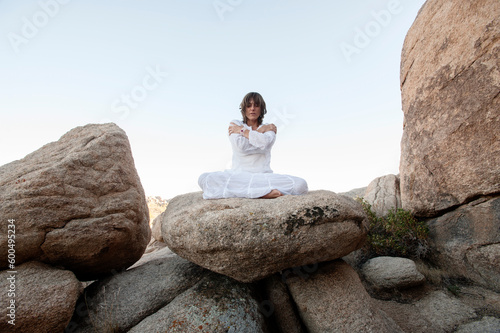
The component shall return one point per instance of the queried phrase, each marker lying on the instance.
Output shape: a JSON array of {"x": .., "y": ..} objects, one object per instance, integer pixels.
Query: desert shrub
[{"x": 396, "y": 234}]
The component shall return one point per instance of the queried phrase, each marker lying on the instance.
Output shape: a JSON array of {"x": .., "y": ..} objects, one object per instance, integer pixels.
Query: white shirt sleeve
[
  {"x": 256, "y": 142},
  {"x": 262, "y": 140}
]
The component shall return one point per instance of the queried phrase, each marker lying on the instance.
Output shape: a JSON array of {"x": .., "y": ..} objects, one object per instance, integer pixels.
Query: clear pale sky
[{"x": 172, "y": 75}]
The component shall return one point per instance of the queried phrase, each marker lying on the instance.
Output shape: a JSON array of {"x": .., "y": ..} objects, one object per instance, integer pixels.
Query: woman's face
[{"x": 252, "y": 112}]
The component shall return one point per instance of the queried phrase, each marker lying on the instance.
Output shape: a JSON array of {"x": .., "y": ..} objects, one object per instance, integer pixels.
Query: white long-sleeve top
[{"x": 252, "y": 154}]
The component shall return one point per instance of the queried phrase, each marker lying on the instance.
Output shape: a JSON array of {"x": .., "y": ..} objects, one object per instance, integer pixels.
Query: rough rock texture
[
  {"x": 466, "y": 242},
  {"x": 156, "y": 227},
  {"x": 383, "y": 194},
  {"x": 392, "y": 272},
  {"x": 485, "y": 325},
  {"x": 334, "y": 300},
  {"x": 117, "y": 303},
  {"x": 215, "y": 304},
  {"x": 153, "y": 246},
  {"x": 44, "y": 297},
  {"x": 161, "y": 253},
  {"x": 355, "y": 193},
  {"x": 450, "y": 82},
  {"x": 357, "y": 258},
  {"x": 279, "y": 306},
  {"x": 483, "y": 300},
  {"x": 426, "y": 310},
  {"x": 486, "y": 261},
  {"x": 443, "y": 311},
  {"x": 249, "y": 239},
  {"x": 77, "y": 203},
  {"x": 407, "y": 316}
]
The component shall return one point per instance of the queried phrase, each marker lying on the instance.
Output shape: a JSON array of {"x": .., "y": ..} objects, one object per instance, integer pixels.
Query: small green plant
[
  {"x": 396, "y": 234},
  {"x": 454, "y": 289}
]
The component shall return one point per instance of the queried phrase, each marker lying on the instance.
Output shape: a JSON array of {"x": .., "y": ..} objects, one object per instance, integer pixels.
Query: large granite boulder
[
  {"x": 249, "y": 239},
  {"x": 77, "y": 203},
  {"x": 450, "y": 82},
  {"x": 383, "y": 194},
  {"x": 121, "y": 301},
  {"x": 216, "y": 304},
  {"x": 466, "y": 242},
  {"x": 333, "y": 299},
  {"x": 44, "y": 298}
]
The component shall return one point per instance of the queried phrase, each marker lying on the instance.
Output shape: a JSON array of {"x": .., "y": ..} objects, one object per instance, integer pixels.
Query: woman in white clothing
[{"x": 251, "y": 175}]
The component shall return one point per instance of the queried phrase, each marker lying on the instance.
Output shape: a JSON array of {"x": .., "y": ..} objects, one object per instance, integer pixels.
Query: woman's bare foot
[{"x": 272, "y": 195}]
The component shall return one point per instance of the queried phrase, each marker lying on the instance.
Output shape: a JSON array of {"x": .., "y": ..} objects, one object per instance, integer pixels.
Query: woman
[{"x": 251, "y": 175}]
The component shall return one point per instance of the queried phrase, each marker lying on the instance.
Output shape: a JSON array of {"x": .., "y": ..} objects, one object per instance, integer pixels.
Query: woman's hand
[
  {"x": 234, "y": 129},
  {"x": 268, "y": 128}
]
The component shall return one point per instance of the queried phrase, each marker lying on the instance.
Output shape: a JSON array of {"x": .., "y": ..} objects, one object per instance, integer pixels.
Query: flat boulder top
[
  {"x": 315, "y": 207},
  {"x": 249, "y": 239}
]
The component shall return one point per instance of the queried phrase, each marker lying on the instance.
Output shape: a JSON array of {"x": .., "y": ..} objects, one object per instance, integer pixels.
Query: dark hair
[{"x": 258, "y": 101}]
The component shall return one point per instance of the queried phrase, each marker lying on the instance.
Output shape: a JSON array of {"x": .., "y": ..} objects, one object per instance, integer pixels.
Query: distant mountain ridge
[{"x": 156, "y": 205}]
